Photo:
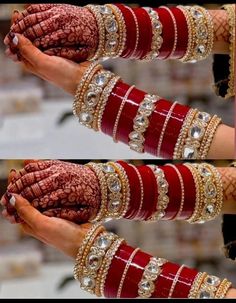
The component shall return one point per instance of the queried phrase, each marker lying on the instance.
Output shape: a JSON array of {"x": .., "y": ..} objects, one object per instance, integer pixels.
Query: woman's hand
[
  {"x": 61, "y": 234},
  {"x": 58, "y": 71},
  {"x": 57, "y": 189},
  {"x": 61, "y": 30}
]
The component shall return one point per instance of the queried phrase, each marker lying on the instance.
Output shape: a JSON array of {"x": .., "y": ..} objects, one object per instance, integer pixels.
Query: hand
[
  {"x": 60, "y": 72},
  {"x": 61, "y": 30},
  {"x": 228, "y": 175},
  {"x": 61, "y": 234},
  {"x": 57, "y": 189}
]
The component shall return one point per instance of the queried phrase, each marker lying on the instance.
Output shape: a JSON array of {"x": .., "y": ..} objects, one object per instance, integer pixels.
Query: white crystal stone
[
  {"x": 204, "y": 294},
  {"x": 196, "y": 132},
  {"x": 91, "y": 98},
  {"x": 88, "y": 282},
  {"x": 111, "y": 25},
  {"x": 136, "y": 136},
  {"x": 141, "y": 121},
  {"x": 200, "y": 49},
  {"x": 213, "y": 280},
  {"x": 114, "y": 184},
  {"x": 103, "y": 242},
  {"x": 210, "y": 209},
  {"x": 146, "y": 107},
  {"x": 111, "y": 45},
  {"x": 202, "y": 31},
  {"x": 105, "y": 10},
  {"x": 100, "y": 79},
  {"x": 145, "y": 285},
  {"x": 205, "y": 172},
  {"x": 189, "y": 152},
  {"x": 153, "y": 268},
  {"x": 210, "y": 190},
  {"x": 85, "y": 117},
  {"x": 114, "y": 205},
  {"x": 197, "y": 14},
  {"x": 161, "y": 261},
  {"x": 163, "y": 185},
  {"x": 108, "y": 168},
  {"x": 93, "y": 261},
  {"x": 204, "y": 116},
  {"x": 161, "y": 214},
  {"x": 157, "y": 25},
  {"x": 135, "y": 146}
]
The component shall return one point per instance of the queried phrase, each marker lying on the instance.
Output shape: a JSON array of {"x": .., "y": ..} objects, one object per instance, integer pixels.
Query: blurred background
[
  {"x": 36, "y": 120},
  {"x": 30, "y": 269}
]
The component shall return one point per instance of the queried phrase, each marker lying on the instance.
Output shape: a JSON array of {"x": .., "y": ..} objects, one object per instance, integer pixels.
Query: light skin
[
  {"x": 67, "y": 74},
  {"x": 58, "y": 233}
]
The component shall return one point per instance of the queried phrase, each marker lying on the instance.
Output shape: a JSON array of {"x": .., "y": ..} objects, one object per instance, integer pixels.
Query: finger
[
  {"x": 26, "y": 212},
  {"x": 35, "y": 8},
  {"x": 39, "y": 165},
  {"x": 8, "y": 217},
  {"x": 73, "y": 53},
  {"x": 6, "y": 202},
  {"x": 19, "y": 17},
  {"x": 30, "y": 20},
  {"x": 53, "y": 199},
  {"x": 15, "y": 16},
  {"x": 11, "y": 176},
  {"x": 70, "y": 214},
  {"x": 42, "y": 187},
  {"x": 27, "y": 161}
]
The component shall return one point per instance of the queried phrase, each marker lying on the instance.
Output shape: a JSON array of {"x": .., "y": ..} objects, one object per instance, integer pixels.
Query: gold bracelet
[
  {"x": 141, "y": 189},
  {"x": 114, "y": 132},
  {"x": 183, "y": 133},
  {"x": 230, "y": 8},
  {"x": 157, "y": 39},
  {"x": 127, "y": 265},
  {"x": 202, "y": 33},
  {"x": 162, "y": 199},
  {"x": 164, "y": 128},
  {"x": 208, "y": 288},
  {"x": 175, "y": 30},
  {"x": 177, "y": 275},
  {"x": 137, "y": 31},
  {"x": 97, "y": 123},
  {"x": 223, "y": 289},
  {"x": 91, "y": 234},
  {"x": 141, "y": 122},
  {"x": 103, "y": 189},
  {"x": 107, "y": 263},
  {"x": 196, "y": 285},
  {"x": 81, "y": 88},
  {"x": 182, "y": 191},
  {"x": 151, "y": 272}
]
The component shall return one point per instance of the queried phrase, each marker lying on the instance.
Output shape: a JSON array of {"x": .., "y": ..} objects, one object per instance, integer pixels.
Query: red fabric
[{"x": 184, "y": 283}]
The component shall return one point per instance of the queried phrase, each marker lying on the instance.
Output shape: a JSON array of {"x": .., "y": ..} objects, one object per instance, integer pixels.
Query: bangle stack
[
  {"x": 115, "y": 190},
  {"x": 209, "y": 192}
]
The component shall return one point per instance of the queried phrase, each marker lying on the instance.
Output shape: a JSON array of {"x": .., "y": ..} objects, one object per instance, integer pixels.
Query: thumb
[{"x": 24, "y": 209}]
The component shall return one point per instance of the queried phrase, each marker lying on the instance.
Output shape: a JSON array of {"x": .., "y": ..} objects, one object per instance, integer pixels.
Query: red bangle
[
  {"x": 135, "y": 194},
  {"x": 168, "y": 33},
  {"x": 189, "y": 192},
  {"x": 182, "y": 32},
  {"x": 184, "y": 283},
  {"x": 131, "y": 34},
  {"x": 145, "y": 33},
  {"x": 150, "y": 192},
  {"x": 174, "y": 192}
]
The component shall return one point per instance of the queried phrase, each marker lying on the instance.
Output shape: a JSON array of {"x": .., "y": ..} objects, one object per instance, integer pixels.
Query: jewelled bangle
[
  {"x": 175, "y": 281},
  {"x": 202, "y": 33},
  {"x": 141, "y": 122},
  {"x": 230, "y": 8},
  {"x": 151, "y": 273},
  {"x": 157, "y": 39},
  {"x": 163, "y": 199},
  {"x": 223, "y": 289},
  {"x": 196, "y": 285}
]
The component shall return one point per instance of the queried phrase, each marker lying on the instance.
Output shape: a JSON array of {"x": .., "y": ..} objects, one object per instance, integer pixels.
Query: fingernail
[
  {"x": 11, "y": 35},
  {"x": 16, "y": 11},
  {"x": 12, "y": 170},
  {"x": 15, "y": 40},
  {"x": 12, "y": 199}
]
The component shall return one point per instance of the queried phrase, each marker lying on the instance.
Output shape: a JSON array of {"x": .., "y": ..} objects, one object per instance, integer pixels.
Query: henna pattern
[
  {"x": 221, "y": 25},
  {"x": 229, "y": 182},
  {"x": 60, "y": 29},
  {"x": 60, "y": 189}
]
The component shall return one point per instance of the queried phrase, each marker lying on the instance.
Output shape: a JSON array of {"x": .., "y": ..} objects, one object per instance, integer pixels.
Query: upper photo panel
[{"x": 117, "y": 81}]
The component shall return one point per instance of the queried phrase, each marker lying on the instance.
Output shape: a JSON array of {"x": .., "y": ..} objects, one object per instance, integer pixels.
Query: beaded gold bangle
[
  {"x": 177, "y": 275},
  {"x": 163, "y": 199},
  {"x": 107, "y": 263},
  {"x": 157, "y": 39},
  {"x": 183, "y": 134},
  {"x": 196, "y": 285},
  {"x": 151, "y": 272},
  {"x": 223, "y": 289},
  {"x": 182, "y": 191},
  {"x": 103, "y": 189},
  {"x": 89, "y": 237},
  {"x": 127, "y": 265},
  {"x": 137, "y": 31},
  {"x": 141, "y": 122},
  {"x": 141, "y": 189},
  {"x": 81, "y": 88},
  {"x": 202, "y": 33},
  {"x": 230, "y": 8}
]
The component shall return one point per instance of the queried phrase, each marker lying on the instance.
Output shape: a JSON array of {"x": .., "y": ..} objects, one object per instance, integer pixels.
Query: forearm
[
  {"x": 126, "y": 272},
  {"x": 148, "y": 123}
]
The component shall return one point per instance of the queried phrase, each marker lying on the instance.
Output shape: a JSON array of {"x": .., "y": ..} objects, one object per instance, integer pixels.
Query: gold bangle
[
  {"x": 157, "y": 39},
  {"x": 97, "y": 123},
  {"x": 162, "y": 199},
  {"x": 141, "y": 189},
  {"x": 151, "y": 272},
  {"x": 230, "y": 8},
  {"x": 127, "y": 265},
  {"x": 141, "y": 122},
  {"x": 164, "y": 128},
  {"x": 196, "y": 285},
  {"x": 223, "y": 289},
  {"x": 137, "y": 31},
  {"x": 114, "y": 132},
  {"x": 177, "y": 275},
  {"x": 208, "y": 288},
  {"x": 107, "y": 263},
  {"x": 182, "y": 191},
  {"x": 175, "y": 29}
]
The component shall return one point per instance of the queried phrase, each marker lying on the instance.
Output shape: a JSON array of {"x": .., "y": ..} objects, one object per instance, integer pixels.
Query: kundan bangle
[
  {"x": 201, "y": 33},
  {"x": 151, "y": 272},
  {"x": 230, "y": 8},
  {"x": 163, "y": 199},
  {"x": 141, "y": 122},
  {"x": 157, "y": 39}
]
